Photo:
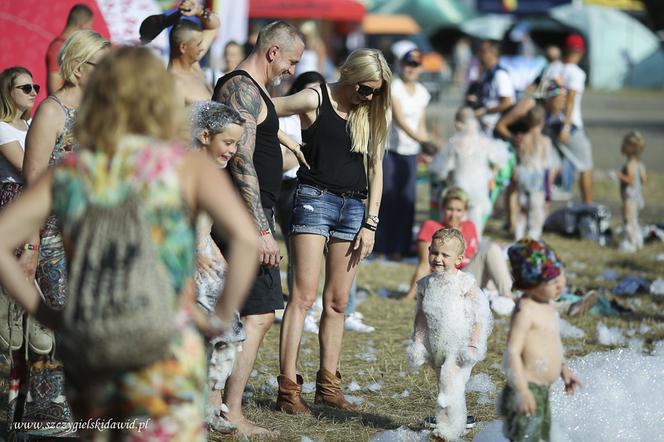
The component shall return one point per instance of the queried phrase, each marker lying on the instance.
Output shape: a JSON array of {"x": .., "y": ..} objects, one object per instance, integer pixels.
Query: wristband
[
  {"x": 265, "y": 232},
  {"x": 34, "y": 247},
  {"x": 369, "y": 227}
]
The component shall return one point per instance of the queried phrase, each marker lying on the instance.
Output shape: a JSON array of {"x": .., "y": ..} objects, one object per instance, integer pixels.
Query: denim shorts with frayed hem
[{"x": 320, "y": 212}]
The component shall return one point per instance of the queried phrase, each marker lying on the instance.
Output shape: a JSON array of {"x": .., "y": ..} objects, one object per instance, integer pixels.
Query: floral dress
[{"x": 166, "y": 396}]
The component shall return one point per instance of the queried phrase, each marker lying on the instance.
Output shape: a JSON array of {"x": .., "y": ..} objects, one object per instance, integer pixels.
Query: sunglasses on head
[
  {"x": 365, "y": 90},
  {"x": 27, "y": 88}
]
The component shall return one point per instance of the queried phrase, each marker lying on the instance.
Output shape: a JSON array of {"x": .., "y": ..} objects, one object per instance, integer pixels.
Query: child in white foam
[
  {"x": 216, "y": 129},
  {"x": 534, "y": 158},
  {"x": 632, "y": 177},
  {"x": 452, "y": 325}
]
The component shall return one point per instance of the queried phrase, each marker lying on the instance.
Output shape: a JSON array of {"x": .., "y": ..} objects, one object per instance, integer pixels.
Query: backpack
[
  {"x": 119, "y": 313},
  {"x": 587, "y": 221}
]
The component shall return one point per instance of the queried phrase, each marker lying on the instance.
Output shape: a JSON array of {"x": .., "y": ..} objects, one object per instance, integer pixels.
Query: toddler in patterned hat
[{"x": 534, "y": 353}]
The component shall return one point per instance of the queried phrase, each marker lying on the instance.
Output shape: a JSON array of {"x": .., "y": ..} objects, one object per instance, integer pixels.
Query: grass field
[{"x": 405, "y": 398}]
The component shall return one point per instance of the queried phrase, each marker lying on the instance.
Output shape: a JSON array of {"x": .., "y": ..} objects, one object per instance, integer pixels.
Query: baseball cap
[
  {"x": 575, "y": 42},
  {"x": 533, "y": 263},
  {"x": 412, "y": 57}
]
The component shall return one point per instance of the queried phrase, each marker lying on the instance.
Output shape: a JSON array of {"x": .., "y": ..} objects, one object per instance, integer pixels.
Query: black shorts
[{"x": 265, "y": 295}]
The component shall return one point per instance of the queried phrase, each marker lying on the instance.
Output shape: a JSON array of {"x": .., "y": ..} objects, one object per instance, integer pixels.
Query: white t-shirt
[
  {"x": 291, "y": 126},
  {"x": 574, "y": 79},
  {"x": 8, "y": 133},
  {"x": 501, "y": 86},
  {"x": 412, "y": 108}
]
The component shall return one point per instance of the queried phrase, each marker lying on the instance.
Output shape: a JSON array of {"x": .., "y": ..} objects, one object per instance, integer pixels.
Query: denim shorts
[{"x": 321, "y": 212}]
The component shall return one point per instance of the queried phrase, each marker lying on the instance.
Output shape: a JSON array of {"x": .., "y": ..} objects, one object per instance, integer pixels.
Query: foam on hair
[
  {"x": 213, "y": 117},
  {"x": 446, "y": 233}
]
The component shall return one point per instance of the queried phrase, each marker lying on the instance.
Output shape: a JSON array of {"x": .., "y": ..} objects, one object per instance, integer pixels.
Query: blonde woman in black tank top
[{"x": 344, "y": 127}]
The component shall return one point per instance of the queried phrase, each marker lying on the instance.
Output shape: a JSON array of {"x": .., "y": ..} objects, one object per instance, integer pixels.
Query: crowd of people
[{"x": 138, "y": 214}]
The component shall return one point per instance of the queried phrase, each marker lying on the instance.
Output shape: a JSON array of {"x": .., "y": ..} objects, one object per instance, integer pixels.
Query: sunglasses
[
  {"x": 365, "y": 90},
  {"x": 413, "y": 64},
  {"x": 27, "y": 88}
]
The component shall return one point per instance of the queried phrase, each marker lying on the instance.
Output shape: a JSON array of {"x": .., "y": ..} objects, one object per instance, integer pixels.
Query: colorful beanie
[{"x": 533, "y": 262}]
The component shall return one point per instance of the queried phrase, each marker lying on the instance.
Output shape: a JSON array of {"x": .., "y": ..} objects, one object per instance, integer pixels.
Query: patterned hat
[{"x": 533, "y": 262}]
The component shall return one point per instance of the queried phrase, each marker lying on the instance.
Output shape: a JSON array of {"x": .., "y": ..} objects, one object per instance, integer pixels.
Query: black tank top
[
  {"x": 267, "y": 158},
  {"x": 327, "y": 150}
]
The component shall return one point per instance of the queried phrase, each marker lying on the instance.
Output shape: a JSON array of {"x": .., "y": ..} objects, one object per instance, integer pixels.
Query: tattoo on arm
[{"x": 241, "y": 94}]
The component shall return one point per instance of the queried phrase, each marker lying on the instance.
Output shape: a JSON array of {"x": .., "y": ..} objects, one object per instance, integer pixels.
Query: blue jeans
[{"x": 320, "y": 212}]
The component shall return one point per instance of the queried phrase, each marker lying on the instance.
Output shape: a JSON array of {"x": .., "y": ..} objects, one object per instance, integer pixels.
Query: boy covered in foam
[
  {"x": 534, "y": 353},
  {"x": 452, "y": 324}
]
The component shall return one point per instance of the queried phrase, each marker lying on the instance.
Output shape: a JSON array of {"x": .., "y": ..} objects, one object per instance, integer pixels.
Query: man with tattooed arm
[{"x": 256, "y": 171}]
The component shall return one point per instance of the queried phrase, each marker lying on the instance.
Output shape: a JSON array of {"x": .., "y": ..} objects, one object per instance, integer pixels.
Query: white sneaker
[
  {"x": 310, "y": 324},
  {"x": 354, "y": 323}
]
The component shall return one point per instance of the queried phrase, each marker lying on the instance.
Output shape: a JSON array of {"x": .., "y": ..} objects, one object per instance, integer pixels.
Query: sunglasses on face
[
  {"x": 365, "y": 90},
  {"x": 27, "y": 88},
  {"x": 413, "y": 64}
]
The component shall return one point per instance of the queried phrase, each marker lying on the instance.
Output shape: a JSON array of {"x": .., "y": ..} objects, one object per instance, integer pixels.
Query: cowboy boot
[
  {"x": 290, "y": 399},
  {"x": 328, "y": 391}
]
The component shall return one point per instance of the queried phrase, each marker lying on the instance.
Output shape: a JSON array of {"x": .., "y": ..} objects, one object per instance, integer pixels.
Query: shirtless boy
[{"x": 534, "y": 349}]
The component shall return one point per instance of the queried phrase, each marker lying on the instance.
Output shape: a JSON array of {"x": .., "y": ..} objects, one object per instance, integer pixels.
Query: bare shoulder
[{"x": 50, "y": 109}]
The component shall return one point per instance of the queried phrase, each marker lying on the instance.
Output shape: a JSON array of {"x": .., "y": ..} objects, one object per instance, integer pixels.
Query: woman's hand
[
  {"x": 300, "y": 156},
  {"x": 364, "y": 243}
]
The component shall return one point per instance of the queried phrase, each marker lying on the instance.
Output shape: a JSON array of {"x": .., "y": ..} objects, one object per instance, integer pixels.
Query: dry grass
[{"x": 393, "y": 321}]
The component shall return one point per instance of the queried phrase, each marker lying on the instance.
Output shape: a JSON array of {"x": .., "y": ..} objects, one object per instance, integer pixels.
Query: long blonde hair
[
  {"x": 8, "y": 108},
  {"x": 78, "y": 49},
  {"x": 368, "y": 122},
  {"x": 129, "y": 92}
]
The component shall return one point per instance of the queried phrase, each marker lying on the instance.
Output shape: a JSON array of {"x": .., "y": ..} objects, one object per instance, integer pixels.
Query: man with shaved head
[
  {"x": 256, "y": 170},
  {"x": 189, "y": 43}
]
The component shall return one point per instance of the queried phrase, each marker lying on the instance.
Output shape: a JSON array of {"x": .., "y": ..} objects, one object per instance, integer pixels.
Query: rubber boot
[
  {"x": 328, "y": 391},
  {"x": 290, "y": 399}
]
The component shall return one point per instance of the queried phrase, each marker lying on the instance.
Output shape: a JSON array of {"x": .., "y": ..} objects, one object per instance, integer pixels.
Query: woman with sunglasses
[
  {"x": 17, "y": 97},
  {"x": 407, "y": 133},
  {"x": 49, "y": 138},
  {"x": 344, "y": 126}
]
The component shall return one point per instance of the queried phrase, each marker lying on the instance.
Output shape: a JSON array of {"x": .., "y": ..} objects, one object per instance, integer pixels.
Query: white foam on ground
[
  {"x": 353, "y": 386},
  {"x": 619, "y": 401},
  {"x": 355, "y": 400},
  {"x": 567, "y": 330},
  {"x": 374, "y": 387},
  {"x": 609, "y": 336},
  {"x": 480, "y": 383},
  {"x": 401, "y": 434},
  {"x": 308, "y": 387}
]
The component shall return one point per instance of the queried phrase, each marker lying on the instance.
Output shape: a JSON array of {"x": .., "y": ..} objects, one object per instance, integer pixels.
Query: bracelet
[
  {"x": 369, "y": 227},
  {"x": 34, "y": 247},
  {"x": 265, "y": 232},
  {"x": 373, "y": 218}
]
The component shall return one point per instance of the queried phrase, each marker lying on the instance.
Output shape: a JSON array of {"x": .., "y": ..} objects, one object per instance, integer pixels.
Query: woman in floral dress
[{"x": 125, "y": 121}]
